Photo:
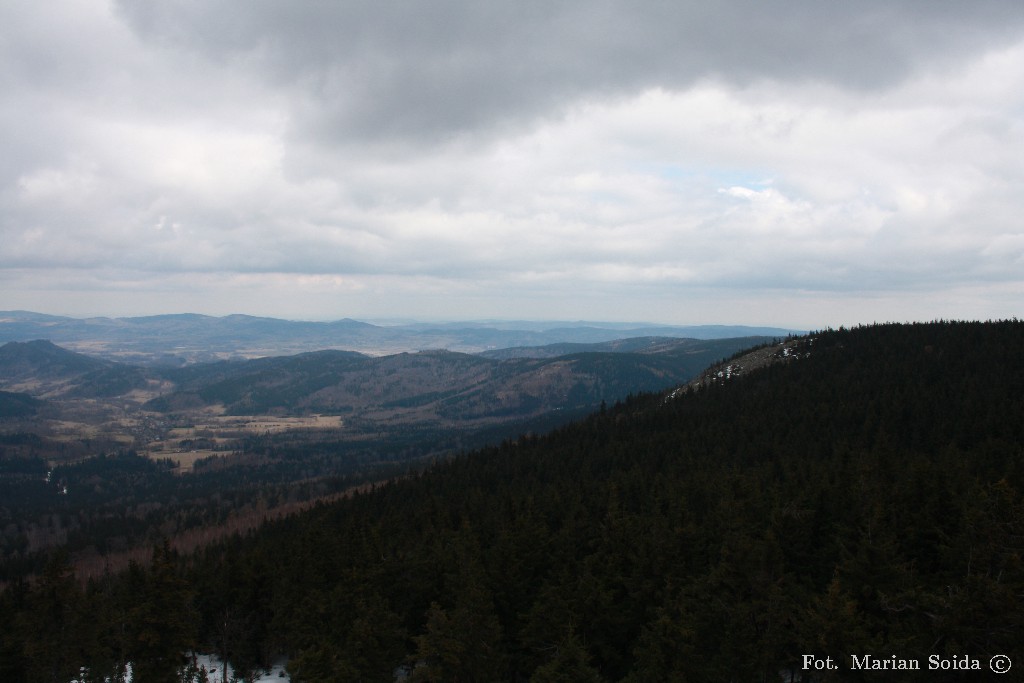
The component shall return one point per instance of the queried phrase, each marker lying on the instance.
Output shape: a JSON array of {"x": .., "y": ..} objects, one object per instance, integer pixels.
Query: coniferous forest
[{"x": 862, "y": 498}]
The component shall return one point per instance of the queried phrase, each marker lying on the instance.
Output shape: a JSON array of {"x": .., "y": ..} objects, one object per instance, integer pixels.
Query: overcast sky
[{"x": 798, "y": 163}]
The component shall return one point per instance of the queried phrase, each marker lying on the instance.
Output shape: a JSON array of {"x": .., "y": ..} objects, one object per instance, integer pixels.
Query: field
[
  {"x": 217, "y": 434},
  {"x": 73, "y": 430}
]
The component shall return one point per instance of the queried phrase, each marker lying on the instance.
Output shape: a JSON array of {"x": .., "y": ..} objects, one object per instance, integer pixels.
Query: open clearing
[
  {"x": 216, "y": 435},
  {"x": 253, "y": 424}
]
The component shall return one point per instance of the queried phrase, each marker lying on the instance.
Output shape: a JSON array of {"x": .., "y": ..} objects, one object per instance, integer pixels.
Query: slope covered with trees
[{"x": 863, "y": 499}]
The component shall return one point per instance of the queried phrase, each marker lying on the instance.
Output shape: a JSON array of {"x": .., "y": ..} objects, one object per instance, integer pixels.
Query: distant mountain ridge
[
  {"x": 447, "y": 384},
  {"x": 427, "y": 386},
  {"x": 646, "y": 345},
  {"x": 188, "y": 338}
]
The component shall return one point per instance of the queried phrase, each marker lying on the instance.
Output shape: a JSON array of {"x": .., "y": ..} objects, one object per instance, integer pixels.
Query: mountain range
[
  {"x": 185, "y": 338},
  {"x": 424, "y": 386}
]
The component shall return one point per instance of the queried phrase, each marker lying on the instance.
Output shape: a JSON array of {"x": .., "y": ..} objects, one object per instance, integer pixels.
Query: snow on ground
[
  {"x": 277, "y": 674},
  {"x": 215, "y": 673}
]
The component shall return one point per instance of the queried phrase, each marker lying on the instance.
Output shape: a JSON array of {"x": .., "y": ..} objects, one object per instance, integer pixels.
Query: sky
[{"x": 797, "y": 163}]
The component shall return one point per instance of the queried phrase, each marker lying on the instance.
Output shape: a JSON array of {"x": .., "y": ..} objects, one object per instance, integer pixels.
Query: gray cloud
[{"x": 375, "y": 71}]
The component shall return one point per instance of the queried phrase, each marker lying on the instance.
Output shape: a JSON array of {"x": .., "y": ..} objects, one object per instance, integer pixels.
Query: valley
[
  {"x": 210, "y": 436},
  {"x": 102, "y": 457},
  {"x": 82, "y": 406}
]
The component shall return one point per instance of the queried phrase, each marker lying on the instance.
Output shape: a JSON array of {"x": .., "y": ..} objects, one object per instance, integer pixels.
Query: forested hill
[{"x": 863, "y": 499}]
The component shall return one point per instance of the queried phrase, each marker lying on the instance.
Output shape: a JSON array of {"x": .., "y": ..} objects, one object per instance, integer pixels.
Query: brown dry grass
[{"x": 223, "y": 430}]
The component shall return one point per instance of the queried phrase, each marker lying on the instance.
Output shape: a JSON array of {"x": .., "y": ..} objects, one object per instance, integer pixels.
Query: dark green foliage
[
  {"x": 865, "y": 499},
  {"x": 14, "y": 404},
  {"x": 59, "y": 629},
  {"x": 461, "y": 641},
  {"x": 161, "y": 621},
  {"x": 113, "y": 381},
  {"x": 54, "y": 626},
  {"x": 570, "y": 663}
]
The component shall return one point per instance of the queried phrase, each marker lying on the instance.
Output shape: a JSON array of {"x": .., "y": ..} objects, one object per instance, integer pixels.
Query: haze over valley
[{"x": 187, "y": 338}]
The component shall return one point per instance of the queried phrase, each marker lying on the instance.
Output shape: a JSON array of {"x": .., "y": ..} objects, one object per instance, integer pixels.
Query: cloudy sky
[{"x": 795, "y": 162}]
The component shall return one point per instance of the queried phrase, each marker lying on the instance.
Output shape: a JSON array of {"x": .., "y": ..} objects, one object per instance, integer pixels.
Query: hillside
[
  {"x": 288, "y": 430},
  {"x": 42, "y": 363},
  {"x": 423, "y": 387},
  {"x": 45, "y": 370},
  {"x": 444, "y": 385},
  {"x": 13, "y": 404},
  {"x": 646, "y": 345},
  {"x": 861, "y": 499}
]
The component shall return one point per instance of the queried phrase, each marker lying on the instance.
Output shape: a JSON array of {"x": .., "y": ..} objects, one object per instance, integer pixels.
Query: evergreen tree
[
  {"x": 55, "y": 637},
  {"x": 462, "y": 644},
  {"x": 163, "y": 623},
  {"x": 570, "y": 664}
]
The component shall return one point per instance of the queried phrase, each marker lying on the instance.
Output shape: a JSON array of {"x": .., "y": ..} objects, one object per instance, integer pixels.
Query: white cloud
[{"x": 163, "y": 156}]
